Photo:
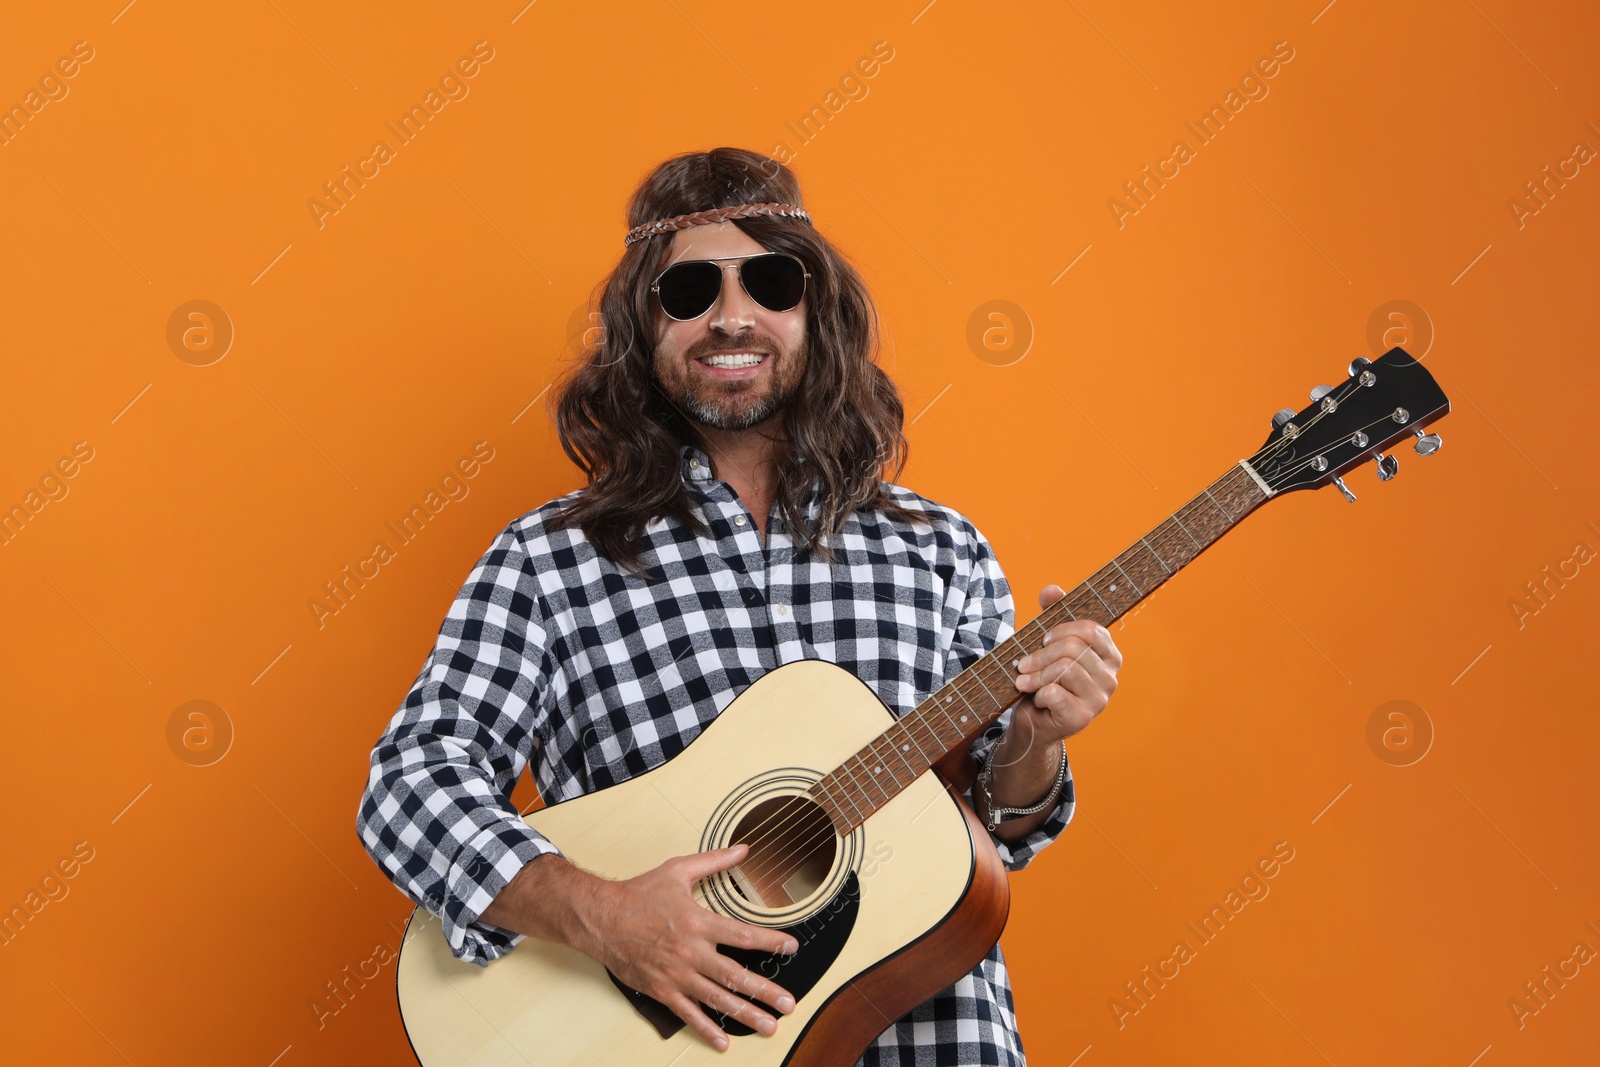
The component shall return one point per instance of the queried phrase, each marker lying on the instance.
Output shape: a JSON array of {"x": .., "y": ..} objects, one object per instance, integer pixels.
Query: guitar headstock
[{"x": 1380, "y": 403}]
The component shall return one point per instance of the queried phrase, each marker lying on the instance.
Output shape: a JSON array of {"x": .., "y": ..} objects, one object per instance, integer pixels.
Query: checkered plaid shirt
[{"x": 552, "y": 655}]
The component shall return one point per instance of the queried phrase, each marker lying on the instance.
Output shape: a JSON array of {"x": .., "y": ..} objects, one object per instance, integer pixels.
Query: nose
[{"x": 734, "y": 310}]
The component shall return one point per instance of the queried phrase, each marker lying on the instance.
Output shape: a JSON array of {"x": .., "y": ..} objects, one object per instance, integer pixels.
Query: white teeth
[{"x": 740, "y": 359}]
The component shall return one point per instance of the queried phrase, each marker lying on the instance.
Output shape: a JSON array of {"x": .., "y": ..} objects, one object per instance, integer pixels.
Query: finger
[
  {"x": 1087, "y": 679},
  {"x": 1079, "y": 695},
  {"x": 1036, "y": 664},
  {"x": 732, "y": 1005},
  {"x": 686, "y": 1009},
  {"x": 1099, "y": 638},
  {"x": 735, "y": 934},
  {"x": 750, "y": 984},
  {"x": 704, "y": 864},
  {"x": 1050, "y": 594},
  {"x": 1083, "y": 631},
  {"x": 1074, "y": 673}
]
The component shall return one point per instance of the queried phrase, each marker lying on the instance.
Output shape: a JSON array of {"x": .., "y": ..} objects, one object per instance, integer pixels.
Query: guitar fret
[
  {"x": 935, "y": 704},
  {"x": 1200, "y": 503},
  {"x": 912, "y": 770},
  {"x": 824, "y": 797},
  {"x": 1226, "y": 513},
  {"x": 955, "y": 691},
  {"x": 843, "y": 799},
  {"x": 1198, "y": 547},
  {"x": 934, "y": 743},
  {"x": 966, "y": 703},
  {"x": 1109, "y": 613},
  {"x": 881, "y": 766},
  {"x": 899, "y": 752},
  {"x": 979, "y": 678},
  {"x": 860, "y": 818},
  {"x": 1157, "y": 555},
  {"x": 913, "y": 736},
  {"x": 1127, "y": 576},
  {"x": 853, "y": 768},
  {"x": 847, "y": 767},
  {"x": 943, "y": 708},
  {"x": 1008, "y": 658},
  {"x": 1103, "y": 577},
  {"x": 877, "y": 758},
  {"x": 1105, "y": 596}
]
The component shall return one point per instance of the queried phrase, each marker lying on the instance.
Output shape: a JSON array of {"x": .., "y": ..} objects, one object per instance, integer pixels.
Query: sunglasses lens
[
  {"x": 776, "y": 282},
  {"x": 689, "y": 289}
]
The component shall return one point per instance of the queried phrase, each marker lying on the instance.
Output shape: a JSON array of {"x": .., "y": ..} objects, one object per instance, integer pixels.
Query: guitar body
[{"x": 886, "y": 916}]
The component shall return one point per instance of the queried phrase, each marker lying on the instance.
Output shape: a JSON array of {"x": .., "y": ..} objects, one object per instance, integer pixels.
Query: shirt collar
[
  {"x": 695, "y": 466},
  {"x": 694, "y": 463}
]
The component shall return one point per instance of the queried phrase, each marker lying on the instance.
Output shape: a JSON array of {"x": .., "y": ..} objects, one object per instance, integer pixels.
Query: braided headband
[{"x": 701, "y": 218}]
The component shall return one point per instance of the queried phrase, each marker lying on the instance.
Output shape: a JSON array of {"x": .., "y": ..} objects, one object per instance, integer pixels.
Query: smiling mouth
[{"x": 733, "y": 360}]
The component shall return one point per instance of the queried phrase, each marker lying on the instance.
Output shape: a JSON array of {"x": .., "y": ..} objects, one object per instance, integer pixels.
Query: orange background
[{"x": 429, "y": 313}]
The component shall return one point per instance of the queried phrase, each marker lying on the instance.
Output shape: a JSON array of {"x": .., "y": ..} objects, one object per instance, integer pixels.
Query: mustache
[{"x": 749, "y": 343}]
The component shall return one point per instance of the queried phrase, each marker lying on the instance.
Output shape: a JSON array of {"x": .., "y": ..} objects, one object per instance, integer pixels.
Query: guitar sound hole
[{"x": 792, "y": 848}]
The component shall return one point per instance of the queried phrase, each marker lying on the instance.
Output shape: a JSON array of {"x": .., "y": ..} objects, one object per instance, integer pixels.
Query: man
[{"x": 735, "y": 432}]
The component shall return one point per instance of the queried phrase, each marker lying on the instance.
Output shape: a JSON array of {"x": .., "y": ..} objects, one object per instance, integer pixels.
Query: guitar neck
[{"x": 955, "y": 714}]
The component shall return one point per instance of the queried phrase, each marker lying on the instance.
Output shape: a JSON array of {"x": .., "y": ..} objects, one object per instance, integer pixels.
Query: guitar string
[
  {"x": 818, "y": 841},
  {"x": 814, "y": 845},
  {"x": 798, "y": 812},
  {"x": 1268, "y": 451},
  {"x": 965, "y": 684},
  {"x": 1277, "y": 445},
  {"x": 961, "y": 685},
  {"x": 1281, "y": 477},
  {"x": 1277, "y": 480},
  {"x": 965, "y": 688}
]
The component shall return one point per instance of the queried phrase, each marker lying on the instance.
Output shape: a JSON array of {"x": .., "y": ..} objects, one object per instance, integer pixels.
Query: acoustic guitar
[{"x": 879, "y": 869}]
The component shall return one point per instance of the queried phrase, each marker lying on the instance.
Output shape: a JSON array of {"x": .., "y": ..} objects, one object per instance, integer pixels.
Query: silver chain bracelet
[{"x": 998, "y": 815}]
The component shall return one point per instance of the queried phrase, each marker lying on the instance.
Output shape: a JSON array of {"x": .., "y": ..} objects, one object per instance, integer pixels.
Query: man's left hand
[{"x": 1068, "y": 680}]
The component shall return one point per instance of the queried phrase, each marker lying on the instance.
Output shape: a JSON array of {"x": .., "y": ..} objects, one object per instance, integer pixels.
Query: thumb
[
  {"x": 1050, "y": 594},
  {"x": 704, "y": 864}
]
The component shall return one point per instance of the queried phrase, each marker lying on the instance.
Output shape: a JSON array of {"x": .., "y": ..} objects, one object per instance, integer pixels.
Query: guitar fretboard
[{"x": 972, "y": 700}]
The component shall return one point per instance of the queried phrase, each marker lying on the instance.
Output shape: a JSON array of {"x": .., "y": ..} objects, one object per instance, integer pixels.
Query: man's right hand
[{"x": 650, "y": 932}]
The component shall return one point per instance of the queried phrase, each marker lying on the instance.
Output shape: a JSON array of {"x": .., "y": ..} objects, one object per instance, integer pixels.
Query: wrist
[
  {"x": 579, "y": 904},
  {"x": 999, "y": 805},
  {"x": 548, "y": 898}
]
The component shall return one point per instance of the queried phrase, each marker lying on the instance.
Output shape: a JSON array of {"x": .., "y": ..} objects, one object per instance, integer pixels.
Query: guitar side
[{"x": 932, "y": 900}]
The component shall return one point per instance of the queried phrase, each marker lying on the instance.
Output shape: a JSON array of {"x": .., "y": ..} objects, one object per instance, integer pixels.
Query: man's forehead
[{"x": 711, "y": 241}]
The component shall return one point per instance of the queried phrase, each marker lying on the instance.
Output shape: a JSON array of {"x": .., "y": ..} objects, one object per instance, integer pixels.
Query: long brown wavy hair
[{"x": 841, "y": 428}]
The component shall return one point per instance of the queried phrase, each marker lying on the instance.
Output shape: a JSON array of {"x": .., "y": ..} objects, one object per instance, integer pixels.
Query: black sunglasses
[{"x": 688, "y": 288}]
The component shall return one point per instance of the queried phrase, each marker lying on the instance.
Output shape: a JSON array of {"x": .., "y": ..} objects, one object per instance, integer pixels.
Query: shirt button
[
  {"x": 694, "y": 464},
  {"x": 738, "y": 520},
  {"x": 783, "y": 609}
]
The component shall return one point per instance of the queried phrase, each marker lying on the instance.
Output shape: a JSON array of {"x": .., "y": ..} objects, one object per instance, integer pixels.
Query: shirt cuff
[
  {"x": 1018, "y": 854},
  {"x": 481, "y": 869}
]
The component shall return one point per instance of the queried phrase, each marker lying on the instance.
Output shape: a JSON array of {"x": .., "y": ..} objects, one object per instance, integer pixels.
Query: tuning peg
[
  {"x": 1345, "y": 489},
  {"x": 1388, "y": 467},
  {"x": 1321, "y": 391},
  {"x": 1359, "y": 364},
  {"x": 1282, "y": 418},
  {"x": 1427, "y": 443}
]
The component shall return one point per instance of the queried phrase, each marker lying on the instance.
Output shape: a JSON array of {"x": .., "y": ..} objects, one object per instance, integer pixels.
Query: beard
[
  {"x": 736, "y": 405},
  {"x": 717, "y": 413}
]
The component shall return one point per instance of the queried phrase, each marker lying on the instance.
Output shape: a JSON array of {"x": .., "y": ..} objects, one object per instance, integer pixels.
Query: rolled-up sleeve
[
  {"x": 988, "y": 619},
  {"x": 436, "y": 814}
]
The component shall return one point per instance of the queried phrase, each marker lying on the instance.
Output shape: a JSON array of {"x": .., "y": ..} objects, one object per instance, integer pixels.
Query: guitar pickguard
[{"x": 821, "y": 938}]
